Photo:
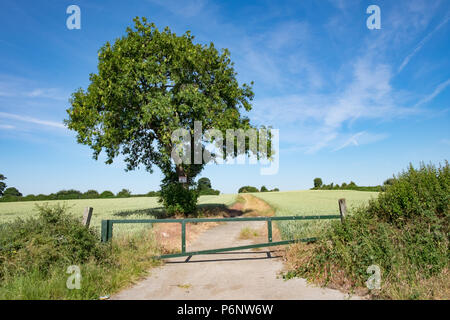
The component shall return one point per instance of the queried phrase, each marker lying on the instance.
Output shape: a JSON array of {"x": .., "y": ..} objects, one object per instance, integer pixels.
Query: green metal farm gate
[{"x": 107, "y": 231}]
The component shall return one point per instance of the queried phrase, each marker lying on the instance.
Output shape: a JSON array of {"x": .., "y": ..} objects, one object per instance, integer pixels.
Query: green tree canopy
[
  {"x": 150, "y": 83},
  {"x": 204, "y": 183},
  {"x": 11, "y": 191},
  {"x": 124, "y": 193},
  {"x": 106, "y": 194},
  {"x": 318, "y": 182}
]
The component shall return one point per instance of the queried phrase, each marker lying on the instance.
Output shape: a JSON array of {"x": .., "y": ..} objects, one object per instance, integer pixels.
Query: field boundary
[{"x": 107, "y": 231}]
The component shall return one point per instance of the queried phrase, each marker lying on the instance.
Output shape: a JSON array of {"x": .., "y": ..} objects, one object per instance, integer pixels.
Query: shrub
[
  {"x": 177, "y": 199},
  {"x": 91, "y": 194},
  {"x": 54, "y": 238},
  {"x": 107, "y": 194},
  {"x": 415, "y": 193},
  {"x": 66, "y": 195},
  {"x": 247, "y": 189},
  {"x": 153, "y": 194},
  {"x": 124, "y": 193},
  {"x": 404, "y": 231},
  {"x": 264, "y": 189}
]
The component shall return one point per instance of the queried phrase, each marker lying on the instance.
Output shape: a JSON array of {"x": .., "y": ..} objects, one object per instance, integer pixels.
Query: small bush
[
  {"x": 177, "y": 199},
  {"x": 247, "y": 189},
  {"x": 107, "y": 194},
  {"x": 53, "y": 238},
  {"x": 415, "y": 193}
]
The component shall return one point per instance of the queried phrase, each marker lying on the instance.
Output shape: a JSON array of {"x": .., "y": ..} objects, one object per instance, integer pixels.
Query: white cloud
[
  {"x": 435, "y": 92},
  {"x": 361, "y": 138},
  {"x": 31, "y": 120},
  {"x": 319, "y": 118},
  {"x": 6, "y": 126}
]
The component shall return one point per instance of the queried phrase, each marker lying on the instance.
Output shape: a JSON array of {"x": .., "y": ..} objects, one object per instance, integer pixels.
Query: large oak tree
[{"x": 150, "y": 83}]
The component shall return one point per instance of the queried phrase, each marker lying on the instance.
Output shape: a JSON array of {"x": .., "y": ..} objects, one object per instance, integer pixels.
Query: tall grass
[{"x": 36, "y": 252}]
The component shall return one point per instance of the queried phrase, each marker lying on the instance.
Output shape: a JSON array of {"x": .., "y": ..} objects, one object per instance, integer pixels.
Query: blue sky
[{"x": 351, "y": 103}]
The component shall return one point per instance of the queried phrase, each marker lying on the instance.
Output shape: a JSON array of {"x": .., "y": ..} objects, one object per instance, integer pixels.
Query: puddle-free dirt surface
[{"x": 246, "y": 274}]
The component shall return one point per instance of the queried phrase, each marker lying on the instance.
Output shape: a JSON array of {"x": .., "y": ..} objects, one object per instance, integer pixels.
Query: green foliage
[
  {"x": 67, "y": 194},
  {"x": 147, "y": 77},
  {"x": 318, "y": 185},
  {"x": 317, "y": 182},
  {"x": 107, "y": 194},
  {"x": 2, "y": 184},
  {"x": 247, "y": 189},
  {"x": 178, "y": 198},
  {"x": 204, "y": 187},
  {"x": 264, "y": 189},
  {"x": 38, "y": 244},
  {"x": 91, "y": 194},
  {"x": 11, "y": 192},
  {"x": 404, "y": 231},
  {"x": 415, "y": 193},
  {"x": 204, "y": 183},
  {"x": 35, "y": 254},
  {"x": 124, "y": 193}
]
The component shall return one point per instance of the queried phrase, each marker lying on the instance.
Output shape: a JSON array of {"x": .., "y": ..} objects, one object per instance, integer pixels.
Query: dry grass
[{"x": 248, "y": 233}]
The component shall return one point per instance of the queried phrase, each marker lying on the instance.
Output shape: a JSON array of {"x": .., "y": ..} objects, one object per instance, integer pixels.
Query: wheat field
[
  {"x": 115, "y": 208},
  {"x": 311, "y": 202}
]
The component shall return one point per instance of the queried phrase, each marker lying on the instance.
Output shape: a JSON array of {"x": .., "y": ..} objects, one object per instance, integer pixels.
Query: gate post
[
  {"x": 183, "y": 236},
  {"x": 269, "y": 229}
]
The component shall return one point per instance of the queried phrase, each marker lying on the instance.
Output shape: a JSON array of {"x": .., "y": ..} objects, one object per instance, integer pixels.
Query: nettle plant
[{"x": 150, "y": 83}]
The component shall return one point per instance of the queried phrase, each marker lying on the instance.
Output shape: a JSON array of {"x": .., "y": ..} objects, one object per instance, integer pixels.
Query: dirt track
[{"x": 239, "y": 275}]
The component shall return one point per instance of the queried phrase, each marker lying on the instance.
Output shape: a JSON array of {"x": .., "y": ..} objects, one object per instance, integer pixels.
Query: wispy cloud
[
  {"x": 361, "y": 138},
  {"x": 369, "y": 95},
  {"x": 435, "y": 92},
  {"x": 421, "y": 44},
  {"x": 15, "y": 87},
  {"x": 6, "y": 126},
  {"x": 17, "y": 117}
]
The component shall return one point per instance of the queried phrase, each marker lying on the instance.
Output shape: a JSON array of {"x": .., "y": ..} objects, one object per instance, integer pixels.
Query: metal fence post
[
  {"x": 104, "y": 230},
  {"x": 269, "y": 229},
  {"x": 110, "y": 229},
  {"x": 183, "y": 236}
]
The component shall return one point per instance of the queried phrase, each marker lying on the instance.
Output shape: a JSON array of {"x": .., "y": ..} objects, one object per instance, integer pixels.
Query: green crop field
[
  {"x": 116, "y": 208},
  {"x": 311, "y": 202}
]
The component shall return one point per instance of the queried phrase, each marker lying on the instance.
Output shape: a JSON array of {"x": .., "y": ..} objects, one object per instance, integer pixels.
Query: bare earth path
[{"x": 239, "y": 275}]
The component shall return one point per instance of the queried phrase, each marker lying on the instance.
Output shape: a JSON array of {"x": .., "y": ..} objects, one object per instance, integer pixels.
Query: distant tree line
[
  {"x": 318, "y": 185},
  {"x": 204, "y": 187},
  {"x": 248, "y": 189},
  {"x": 71, "y": 194}
]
